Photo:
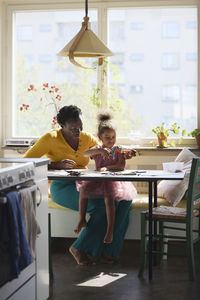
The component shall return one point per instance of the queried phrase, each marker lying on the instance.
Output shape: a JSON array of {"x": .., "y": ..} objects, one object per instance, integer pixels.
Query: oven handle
[
  {"x": 38, "y": 189},
  {"x": 35, "y": 188}
]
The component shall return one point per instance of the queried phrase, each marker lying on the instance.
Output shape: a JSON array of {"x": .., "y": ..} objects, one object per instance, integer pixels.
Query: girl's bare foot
[
  {"x": 80, "y": 257},
  {"x": 108, "y": 237},
  {"x": 80, "y": 225}
]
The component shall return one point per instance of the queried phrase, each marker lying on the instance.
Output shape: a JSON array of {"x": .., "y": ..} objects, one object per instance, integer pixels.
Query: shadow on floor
[{"x": 170, "y": 280}]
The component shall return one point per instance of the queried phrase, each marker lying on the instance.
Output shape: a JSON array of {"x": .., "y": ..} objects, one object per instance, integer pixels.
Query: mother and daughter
[
  {"x": 106, "y": 159},
  {"x": 69, "y": 147}
]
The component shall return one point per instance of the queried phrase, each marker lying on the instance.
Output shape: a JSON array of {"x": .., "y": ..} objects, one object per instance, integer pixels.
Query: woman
[{"x": 65, "y": 147}]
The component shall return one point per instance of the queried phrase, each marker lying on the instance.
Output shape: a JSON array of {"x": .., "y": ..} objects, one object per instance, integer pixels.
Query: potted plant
[
  {"x": 163, "y": 132},
  {"x": 196, "y": 133}
]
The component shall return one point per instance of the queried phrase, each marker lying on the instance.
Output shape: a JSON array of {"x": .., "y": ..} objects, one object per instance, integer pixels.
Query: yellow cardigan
[{"x": 54, "y": 146}]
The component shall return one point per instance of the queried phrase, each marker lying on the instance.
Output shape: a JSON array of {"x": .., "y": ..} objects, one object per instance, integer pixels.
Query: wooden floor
[{"x": 170, "y": 280}]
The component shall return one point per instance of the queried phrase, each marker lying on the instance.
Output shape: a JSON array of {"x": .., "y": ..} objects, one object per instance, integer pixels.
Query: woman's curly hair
[{"x": 68, "y": 113}]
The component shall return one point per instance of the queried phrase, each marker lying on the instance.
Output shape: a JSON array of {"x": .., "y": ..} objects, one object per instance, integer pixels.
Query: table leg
[
  {"x": 150, "y": 230},
  {"x": 155, "y": 224}
]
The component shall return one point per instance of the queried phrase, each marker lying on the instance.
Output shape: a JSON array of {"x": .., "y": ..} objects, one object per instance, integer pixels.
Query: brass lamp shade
[
  {"x": 88, "y": 46},
  {"x": 85, "y": 44}
]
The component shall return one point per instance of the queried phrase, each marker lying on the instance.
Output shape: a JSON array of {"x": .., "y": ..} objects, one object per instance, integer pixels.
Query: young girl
[{"x": 110, "y": 190}]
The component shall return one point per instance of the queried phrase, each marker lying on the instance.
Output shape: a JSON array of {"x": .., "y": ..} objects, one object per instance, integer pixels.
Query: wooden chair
[{"x": 169, "y": 215}]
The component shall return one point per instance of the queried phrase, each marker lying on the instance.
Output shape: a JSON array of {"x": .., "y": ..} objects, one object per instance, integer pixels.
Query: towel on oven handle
[
  {"x": 28, "y": 204},
  {"x": 20, "y": 253}
]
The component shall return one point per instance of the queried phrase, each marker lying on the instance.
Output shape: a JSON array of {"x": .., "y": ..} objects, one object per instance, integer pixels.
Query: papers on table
[{"x": 76, "y": 173}]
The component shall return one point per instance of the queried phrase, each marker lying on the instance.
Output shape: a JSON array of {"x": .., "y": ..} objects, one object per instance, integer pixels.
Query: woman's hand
[{"x": 62, "y": 165}]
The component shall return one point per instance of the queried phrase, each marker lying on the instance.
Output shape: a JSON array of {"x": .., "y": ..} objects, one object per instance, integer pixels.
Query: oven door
[{"x": 23, "y": 287}]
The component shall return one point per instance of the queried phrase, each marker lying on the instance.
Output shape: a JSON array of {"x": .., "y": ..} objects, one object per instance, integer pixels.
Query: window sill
[{"x": 150, "y": 148}]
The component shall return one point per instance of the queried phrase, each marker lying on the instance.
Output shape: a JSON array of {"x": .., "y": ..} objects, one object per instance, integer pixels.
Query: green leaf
[
  {"x": 153, "y": 143},
  {"x": 180, "y": 141},
  {"x": 183, "y": 132},
  {"x": 173, "y": 143},
  {"x": 164, "y": 144}
]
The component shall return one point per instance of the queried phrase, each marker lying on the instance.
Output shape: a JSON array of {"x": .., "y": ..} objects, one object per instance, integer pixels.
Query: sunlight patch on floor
[{"x": 102, "y": 279}]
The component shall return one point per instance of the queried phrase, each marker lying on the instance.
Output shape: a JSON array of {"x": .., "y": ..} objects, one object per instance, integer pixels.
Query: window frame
[{"x": 7, "y": 28}]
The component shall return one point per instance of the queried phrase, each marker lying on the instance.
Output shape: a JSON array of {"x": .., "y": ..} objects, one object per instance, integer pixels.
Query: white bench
[{"x": 64, "y": 220}]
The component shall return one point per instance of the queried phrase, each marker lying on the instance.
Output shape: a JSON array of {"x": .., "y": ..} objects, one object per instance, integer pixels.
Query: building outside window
[
  {"x": 136, "y": 89},
  {"x": 24, "y": 33},
  {"x": 45, "y": 58},
  {"x": 170, "y": 30},
  {"x": 191, "y": 24},
  {"x": 137, "y": 57},
  {"x": 191, "y": 56},
  {"x": 170, "y": 61},
  {"x": 137, "y": 26},
  {"x": 45, "y": 28}
]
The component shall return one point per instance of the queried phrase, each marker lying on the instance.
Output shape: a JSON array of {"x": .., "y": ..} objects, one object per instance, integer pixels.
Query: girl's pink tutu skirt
[{"x": 118, "y": 190}]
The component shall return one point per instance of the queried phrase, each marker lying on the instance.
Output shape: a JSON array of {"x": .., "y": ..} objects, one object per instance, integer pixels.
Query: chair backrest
[{"x": 193, "y": 187}]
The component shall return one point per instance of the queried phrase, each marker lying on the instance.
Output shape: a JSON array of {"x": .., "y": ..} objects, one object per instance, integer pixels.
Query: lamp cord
[{"x": 86, "y": 8}]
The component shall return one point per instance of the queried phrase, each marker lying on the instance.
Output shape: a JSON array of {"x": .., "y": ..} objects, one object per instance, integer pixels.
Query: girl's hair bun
[{"x": 105, "y": 116}]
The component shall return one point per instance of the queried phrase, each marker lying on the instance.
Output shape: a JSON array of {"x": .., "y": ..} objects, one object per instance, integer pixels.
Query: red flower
[
  {"x": 24, "y": 107},
  {"x": 46, "y": 85},
  {"x": 58, "y": 97}
]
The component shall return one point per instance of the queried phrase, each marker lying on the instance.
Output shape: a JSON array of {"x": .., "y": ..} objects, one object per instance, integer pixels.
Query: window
[
  {"x": 118, "y": 59},
  {"x": 170, "y": 61},
  {"x": 191, "y": 24},
  {"x": 191, "y": 56},
  {"x": 24, "y": 33},
  {"x": 45, "y": 28},
  {"x": 116, "y": 30},
  {"x": 148, "y": 70},
  {"x": 29, "y": 60},
  {"x": 137, "y": 57},
  {"x": 36, "y": 63},
  {"x": 170, "y": 93},
  {"x": 45, "y": 58},
  {"x": 189, "y": 100},
  {"x": 137, "y": 26},
  {"x": 136, "y": 89},
  {"x": 170, "y": 30},
  {"x": 157, "y": 86}
]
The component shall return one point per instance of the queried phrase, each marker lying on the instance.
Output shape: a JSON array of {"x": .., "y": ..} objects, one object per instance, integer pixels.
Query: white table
[{"x": 150, "y": 176}]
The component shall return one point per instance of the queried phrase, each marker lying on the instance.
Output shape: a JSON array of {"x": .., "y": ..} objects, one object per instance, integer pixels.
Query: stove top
[{"x": 15, "y": 173}]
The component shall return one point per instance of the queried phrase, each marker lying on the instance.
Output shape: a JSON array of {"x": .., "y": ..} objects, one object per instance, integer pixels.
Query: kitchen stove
[{"x": 12, "y": 173}]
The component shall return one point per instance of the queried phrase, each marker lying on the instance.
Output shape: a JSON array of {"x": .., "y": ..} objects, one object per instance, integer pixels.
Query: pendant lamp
[{"x": 85, "y": 44}]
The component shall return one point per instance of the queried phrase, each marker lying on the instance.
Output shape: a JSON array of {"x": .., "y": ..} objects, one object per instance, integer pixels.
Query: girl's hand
[
  {"x": 105, "y": 152},
  {"x": 102, "y": 169},
  {"x": 129, "y": 154}
]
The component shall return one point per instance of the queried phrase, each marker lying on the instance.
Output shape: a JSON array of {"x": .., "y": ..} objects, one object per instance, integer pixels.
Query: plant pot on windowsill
[
  {"x": 163, "y": 132},
  {"x": 162, "y": 140},
  {"x": 196, "y": 133},
  {"x": 198, "y": 140}
]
